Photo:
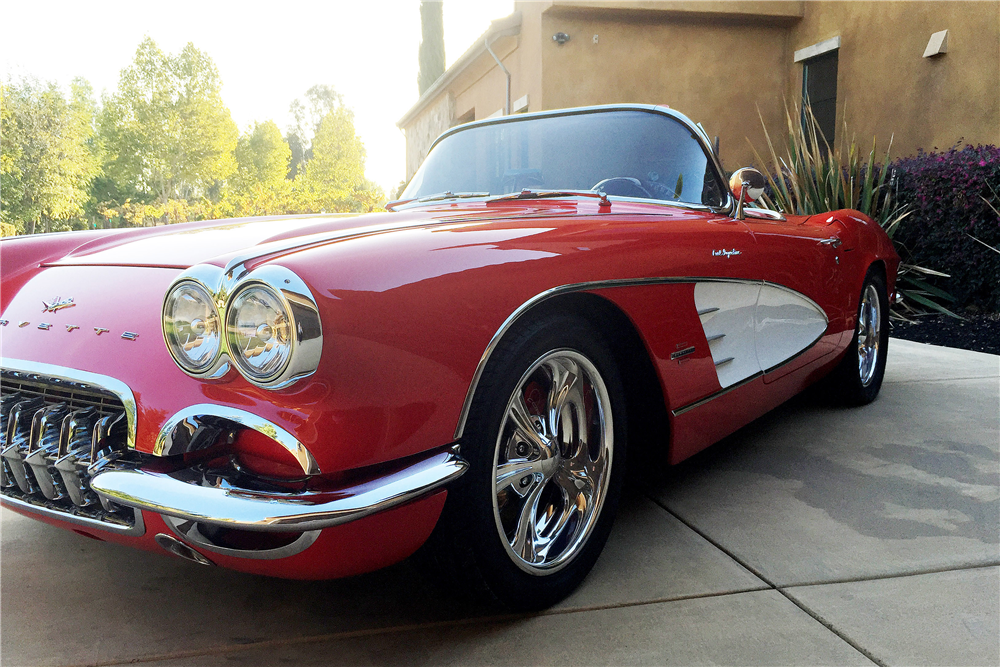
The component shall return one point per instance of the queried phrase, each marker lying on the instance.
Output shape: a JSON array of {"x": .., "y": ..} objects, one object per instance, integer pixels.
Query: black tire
[
  {"x": 479, "y": 543},
  {"x": 856, "y": 381}
]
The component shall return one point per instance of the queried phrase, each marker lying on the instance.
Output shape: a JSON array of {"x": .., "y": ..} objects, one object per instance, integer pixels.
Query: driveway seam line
[
  {"x": 850, "y": 642},
  {"x": 896, "y": 575},
  {"x": 934, "y": 380},
  {"x": 399, "y": 629},
  {"x": 829, "y": 626}
]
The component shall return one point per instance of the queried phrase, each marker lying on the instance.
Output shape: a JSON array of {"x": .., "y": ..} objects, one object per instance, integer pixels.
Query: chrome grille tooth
[
  {"x": 19, "y": 430},
  {"x": 7, "y": 402},
  {"x": 44, "y": 447},
  {"x": 102, "y": 448},
  {"x": 72, "y": 465}
]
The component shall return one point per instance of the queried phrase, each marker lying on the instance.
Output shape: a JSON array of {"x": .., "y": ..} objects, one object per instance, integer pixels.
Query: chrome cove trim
[
  {"x": 189, "y": 532},
  {"x": 711, "y": 397},
  {"x": 178, "y": 433},
  {"x": 137, "y": 529},
  {"x": 247, "y": 509},
  {"x": 222, "y": 284},
  {"x": 696, "y": 130},
  {"x": 71, "y": 375},
  {"x": 587, "y": 287}
]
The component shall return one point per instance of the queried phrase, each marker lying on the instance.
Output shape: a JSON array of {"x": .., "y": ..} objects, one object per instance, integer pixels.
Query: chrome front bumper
[{"x": 245, "y": 509}]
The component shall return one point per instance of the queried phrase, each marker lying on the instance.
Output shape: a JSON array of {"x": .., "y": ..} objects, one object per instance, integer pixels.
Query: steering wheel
[{"x": 623, "y": 186}]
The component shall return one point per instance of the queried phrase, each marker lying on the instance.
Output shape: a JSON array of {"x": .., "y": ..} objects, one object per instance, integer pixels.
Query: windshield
[{"x": 624, "y": 153}]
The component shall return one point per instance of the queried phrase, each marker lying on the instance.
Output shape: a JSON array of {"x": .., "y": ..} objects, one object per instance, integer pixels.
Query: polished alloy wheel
[
  {"x": 869, "y": 334},
  {"x": 553, "y": 461}
]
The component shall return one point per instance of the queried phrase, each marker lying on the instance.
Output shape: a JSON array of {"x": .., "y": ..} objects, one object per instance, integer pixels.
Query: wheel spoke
[
  {"x": 527, "y": 531},
  {"x": 567, "y": 409},
  {"x": 524, "y": 425},
  {"x": 513, "y": 473}
]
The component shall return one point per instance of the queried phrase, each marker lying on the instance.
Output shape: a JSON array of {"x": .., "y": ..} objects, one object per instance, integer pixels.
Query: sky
[{"x": 267, "y": 54}]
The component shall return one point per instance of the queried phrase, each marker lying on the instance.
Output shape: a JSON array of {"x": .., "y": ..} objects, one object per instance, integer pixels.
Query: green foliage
[
  {"x": 308, "y": 114},
  {"x": 337, "y": 167},
  {"x": 166, "y": 130},
  {"x": 954, "y": 196},
  {"x": 812, "y": 177},
  {"x": 49, "y": 155},
  {"x": 262, "y": 157},
  {"x": 431, "y": 52},
  {"x": 164, "y": 149}
]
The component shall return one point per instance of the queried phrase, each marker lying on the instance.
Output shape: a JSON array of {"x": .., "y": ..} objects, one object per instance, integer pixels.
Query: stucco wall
[
  {"x": 717, "y": 73},
  {"x": 434, "y": 120},
  {"x": 719, "y": 63},
  {"x": 887, "y": 85}
]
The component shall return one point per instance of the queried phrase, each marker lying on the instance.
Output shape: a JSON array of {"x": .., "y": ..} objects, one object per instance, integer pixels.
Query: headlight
[
  {"x": 191, "y": 327},
  {"x": 259, "y": 332}
]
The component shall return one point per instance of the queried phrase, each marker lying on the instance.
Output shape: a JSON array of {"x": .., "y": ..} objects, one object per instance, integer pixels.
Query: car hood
[
  {"x": 187, "y": 244},
  {"x": 224, "y": 242}
]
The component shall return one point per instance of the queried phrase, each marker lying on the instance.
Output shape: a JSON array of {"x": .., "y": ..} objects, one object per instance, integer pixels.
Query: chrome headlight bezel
[
  {"x": 167, "y": 326},
  {"x": 224, "y": 286}
]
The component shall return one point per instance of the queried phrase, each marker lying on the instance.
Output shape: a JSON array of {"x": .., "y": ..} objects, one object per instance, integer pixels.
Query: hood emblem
[{"x": 57, "y": 303}]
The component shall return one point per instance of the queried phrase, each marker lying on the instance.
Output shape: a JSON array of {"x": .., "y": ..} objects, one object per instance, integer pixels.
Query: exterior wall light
[{"x": 937, "y": 45}]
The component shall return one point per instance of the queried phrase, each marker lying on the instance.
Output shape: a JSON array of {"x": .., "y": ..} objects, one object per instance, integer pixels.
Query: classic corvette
[{"x": 465, "y": 374}]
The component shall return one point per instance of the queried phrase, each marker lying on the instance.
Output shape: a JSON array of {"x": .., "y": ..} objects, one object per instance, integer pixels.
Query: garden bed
[{"x": 980, "y": 333}]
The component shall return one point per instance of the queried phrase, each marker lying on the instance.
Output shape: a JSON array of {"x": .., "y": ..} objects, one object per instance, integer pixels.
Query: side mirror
[{"x": 747, "y": 185}]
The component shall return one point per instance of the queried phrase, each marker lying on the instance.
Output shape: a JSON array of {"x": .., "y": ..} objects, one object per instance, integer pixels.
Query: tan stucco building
[{"x": 927, "y": 73}]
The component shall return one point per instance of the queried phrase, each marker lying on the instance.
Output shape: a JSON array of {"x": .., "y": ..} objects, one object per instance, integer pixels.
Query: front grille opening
[{"x": 54, "y": 435}]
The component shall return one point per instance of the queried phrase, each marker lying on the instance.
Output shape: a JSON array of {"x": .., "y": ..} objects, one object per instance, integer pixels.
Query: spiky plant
[{"x": 812, "y": 177}]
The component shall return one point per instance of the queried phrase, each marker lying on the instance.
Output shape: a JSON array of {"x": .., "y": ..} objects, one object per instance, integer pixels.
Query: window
[
  {"x": 628, "y": 153},
  {"x": 819, "y": 89}
]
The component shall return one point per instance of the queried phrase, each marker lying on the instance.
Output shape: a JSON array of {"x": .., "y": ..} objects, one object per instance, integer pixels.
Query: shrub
[{"x": 953, "y": 198}]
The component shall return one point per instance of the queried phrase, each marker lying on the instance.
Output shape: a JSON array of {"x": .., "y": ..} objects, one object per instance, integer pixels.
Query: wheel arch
[{"x": 646, "y": 413}]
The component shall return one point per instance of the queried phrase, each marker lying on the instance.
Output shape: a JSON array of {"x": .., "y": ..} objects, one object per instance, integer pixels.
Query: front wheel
[
  {"x": 545, "y": 441},
  {"x": 859, "y": 375}
]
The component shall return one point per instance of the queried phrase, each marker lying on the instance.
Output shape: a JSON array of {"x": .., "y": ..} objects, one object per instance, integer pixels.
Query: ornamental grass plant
[{"x": 811, "y": 177}]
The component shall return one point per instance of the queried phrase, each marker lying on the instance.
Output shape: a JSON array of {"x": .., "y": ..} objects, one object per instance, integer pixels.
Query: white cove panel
[
  {"x": 730, "y": 328},
  {"x": 786, "y": 323}
]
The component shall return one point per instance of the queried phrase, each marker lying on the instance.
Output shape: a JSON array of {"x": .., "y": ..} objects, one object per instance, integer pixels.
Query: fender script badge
[
  {"x": 57, "y": 303},
  {"x": 726, "y": 253}
]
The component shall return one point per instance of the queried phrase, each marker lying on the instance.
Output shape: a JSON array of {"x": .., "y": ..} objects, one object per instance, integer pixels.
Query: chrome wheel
[
  {"x": 552, "y": 462},
  {"x": 869, "y": 333}
]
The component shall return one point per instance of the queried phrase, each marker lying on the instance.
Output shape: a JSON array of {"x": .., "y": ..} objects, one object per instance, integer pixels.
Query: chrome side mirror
[{"x": 747, "y": 185}]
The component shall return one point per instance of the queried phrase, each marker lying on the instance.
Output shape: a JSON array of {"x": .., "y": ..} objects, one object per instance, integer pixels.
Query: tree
[
  {"x": 319, "y": 101},
  {"x": 431, "y": 52},
  {"x": 262, "y": 156},
  {"x": 49, "y": 156},
  {"x": 337, "y": 167},
  {"x": 259, "y": 186},
  {"x": 166, "y": 130}
]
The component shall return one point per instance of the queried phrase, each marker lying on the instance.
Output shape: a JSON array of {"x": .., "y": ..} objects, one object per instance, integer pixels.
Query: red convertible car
[{"x": 466, "y": 374}]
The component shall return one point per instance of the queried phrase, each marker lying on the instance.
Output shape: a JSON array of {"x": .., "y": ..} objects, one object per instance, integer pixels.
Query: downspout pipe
[{"x": 506, "y": 105}]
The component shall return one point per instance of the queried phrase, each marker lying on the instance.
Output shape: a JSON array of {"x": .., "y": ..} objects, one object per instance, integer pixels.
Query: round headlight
[
  {"x": 191, "y": 327},
  {"x": 259, "y": 332}
]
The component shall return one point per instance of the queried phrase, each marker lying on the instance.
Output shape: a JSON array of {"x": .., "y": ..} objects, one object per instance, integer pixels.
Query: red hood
[{"x": 218, "y": 242}]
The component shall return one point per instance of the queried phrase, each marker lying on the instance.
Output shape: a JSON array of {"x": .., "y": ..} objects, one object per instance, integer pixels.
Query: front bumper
[{"x": 186, "y": 497}]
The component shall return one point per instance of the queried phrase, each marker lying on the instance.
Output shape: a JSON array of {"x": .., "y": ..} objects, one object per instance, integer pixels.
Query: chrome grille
[{"x": 54, "y": 434}]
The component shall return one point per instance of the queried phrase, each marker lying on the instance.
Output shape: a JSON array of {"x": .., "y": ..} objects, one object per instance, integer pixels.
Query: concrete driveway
[{"x": 816, "y": 535}]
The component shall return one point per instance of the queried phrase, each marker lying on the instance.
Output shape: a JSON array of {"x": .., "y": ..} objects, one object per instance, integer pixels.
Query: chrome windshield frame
[{"x": 696, "y": 130}]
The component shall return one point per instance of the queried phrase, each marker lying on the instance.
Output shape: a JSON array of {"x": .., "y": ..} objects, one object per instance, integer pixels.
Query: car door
[{"x": 803, "y": 302}]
